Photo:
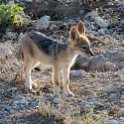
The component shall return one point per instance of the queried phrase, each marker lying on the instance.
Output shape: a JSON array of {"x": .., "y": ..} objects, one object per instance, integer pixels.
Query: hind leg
[{"x": 29, "y": 65}]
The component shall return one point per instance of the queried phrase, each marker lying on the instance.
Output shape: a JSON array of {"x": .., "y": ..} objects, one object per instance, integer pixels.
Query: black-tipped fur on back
[{"x": 47, "y": 45}]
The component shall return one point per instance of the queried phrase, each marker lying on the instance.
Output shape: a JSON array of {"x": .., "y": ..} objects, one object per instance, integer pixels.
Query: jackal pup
[{"x": 36, "y": 47}]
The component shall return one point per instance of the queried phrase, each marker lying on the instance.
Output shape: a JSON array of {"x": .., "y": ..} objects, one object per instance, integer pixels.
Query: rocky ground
[{"x": 98, "y": 82}]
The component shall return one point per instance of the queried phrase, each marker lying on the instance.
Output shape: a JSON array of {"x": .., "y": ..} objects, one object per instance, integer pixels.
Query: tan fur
[{"x": 78, "y": 43}]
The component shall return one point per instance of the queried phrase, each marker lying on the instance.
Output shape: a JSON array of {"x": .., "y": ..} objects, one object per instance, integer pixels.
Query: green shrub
[{"x": 10, "y": 14}]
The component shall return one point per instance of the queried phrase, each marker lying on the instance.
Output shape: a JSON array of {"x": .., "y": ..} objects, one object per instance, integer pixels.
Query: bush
[{"x": 10, "y": 15}]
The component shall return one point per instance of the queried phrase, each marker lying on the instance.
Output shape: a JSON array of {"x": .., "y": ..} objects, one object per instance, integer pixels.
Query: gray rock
[
  {"x": 100, "y": 63},
  {"x": 28, "y": 0},
  {"x": 56, "y": 99},
  {"x": 93, "y": 27},
  {"x": 115, "y": 96},
  {"x": 100, "y": 22},
  {"x": 101, "y": 31},
  {"x": 121, "y": 112},
  {"x": 52, "y": 27},
  {"x": 96, "y": 105},
  {"x": 78, "y": 73},
  {"x": 8, "y": 108},
  {"x": 112, "y": 122},
  {"x": 109, "y": 89},
  {"x": 10, "y": 2},
  {"x": 43, "y": 23},
  {"x": 11, "y": 35},
  {"x": 87, "y": 107},
  {"x": 122, "y": 97},
  {"x": 110, "y": 3},
  {"x": 91, "y": 15},
  {"x": 81, "y": 12},
  {"x": 121, "y": 119},
  {"x": 21, "y": 101},
  {"x": 93, "y": 32}
]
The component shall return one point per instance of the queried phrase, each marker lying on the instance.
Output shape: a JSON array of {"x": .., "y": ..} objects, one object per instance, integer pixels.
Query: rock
[
  {"x": 91, "y": 15},
  {"x": 81, "y": 63},
  {"x": 121, "y": 112},
  {"x": 99, "y": 63},
  {"x": 10, "y": 92},
  {"x": 115, "y": 96},
  {"x": 43, "y": 23},
  {"x": 121, "y": 119},
  {"x": 8, "y": 108},
  {"x": 109, "y": 89},
  {"x": 21, "y": 101},
  {"x": 10, "y": 2},
  {"x": 101, "y": 31},
  {"x": 96, "y": 105},
  {"x": 100, "y": 22},
  {"x": 11, "y": 35},
  {"x": 93, "y": 27},
  {"x": 28, "y": 0},
  {"x": 56, "y": 99},
  {"x": 95, "y": 33},
  {"x": 52, "y": 27},
  {"x": 112, "y": 122},
  {"x": 87, "y": 108},
  {"x": 81, "y": 12},
  {"x": 77, "y": 73},
  {"x": 110, "y": 3},
  {"x": 122, "y": 97}
]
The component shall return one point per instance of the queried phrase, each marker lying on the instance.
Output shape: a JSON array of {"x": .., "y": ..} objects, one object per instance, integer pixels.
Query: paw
[
  {"x": 28, "y": 86},
  {"x": 34, "y": 85},
  {"x": 68, "y": 93},
  {"x": 31, "y": 86}
]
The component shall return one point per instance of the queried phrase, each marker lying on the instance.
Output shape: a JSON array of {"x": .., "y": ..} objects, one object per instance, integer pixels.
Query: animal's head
[{"x": 79, "y": 42}]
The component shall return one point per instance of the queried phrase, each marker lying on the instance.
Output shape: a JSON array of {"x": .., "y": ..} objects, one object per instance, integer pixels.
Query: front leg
[
  {"x": 56, "y": 84},
  {"x": 56, "y": 81},
  {"x": 66, "y": 81}
]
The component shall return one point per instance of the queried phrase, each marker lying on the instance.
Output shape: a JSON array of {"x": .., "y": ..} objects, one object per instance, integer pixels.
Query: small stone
[
  {"x": 109, "y": 89},
  {"x": 100, "y": 22},
  {"x": 87, "y": 108},
  {"x": 96, "y": 105},
  {"x": 110, "y": 3},
  {"x": 8, "y": 108},
  {"x": 28, "y": 0},
  {"x": 122, "y": 97},
  {"x": 101, "y": 31},
  {"x": 11, "y": 2},
  {"x": 21, "y": 101},
  {"x": 112, "y": 122},
  {"x": 11, "y": 35},
  {"x": 121, "y": 112},
  {"x": 81, "y": 12},
  {"x": 43, "y": 23},
  {"x": 53, "y": 27},
  {"x": 56, "y": 99},
  {"x": 115, "y": 96},
  {"x": 92, "y": 15},
  {"x": 78, "y": 73},
  {"x": 121, "y": 119},
  {"x": 12, "y": 111},
  {"x": 93, "y": 27}
]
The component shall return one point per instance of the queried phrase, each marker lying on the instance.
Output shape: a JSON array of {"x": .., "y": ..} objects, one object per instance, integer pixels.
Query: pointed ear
[
  {"x": 73, "y": 33},
  {"x": 80, "y": 27}
]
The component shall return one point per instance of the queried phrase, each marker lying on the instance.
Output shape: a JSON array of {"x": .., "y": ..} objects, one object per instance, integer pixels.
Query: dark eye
[{"x": 84, "y": 47}]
